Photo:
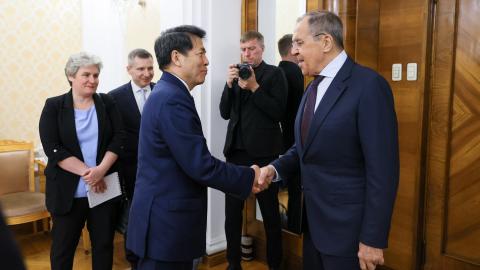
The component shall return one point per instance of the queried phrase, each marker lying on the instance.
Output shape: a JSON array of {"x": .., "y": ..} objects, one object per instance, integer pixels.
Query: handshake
[{"x": 263, "y": 178}]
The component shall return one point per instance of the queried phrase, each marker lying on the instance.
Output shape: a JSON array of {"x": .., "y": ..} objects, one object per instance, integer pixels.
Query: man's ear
[
  {"x": 176, "y": 58},
  {"x": 328, "y": 43}
]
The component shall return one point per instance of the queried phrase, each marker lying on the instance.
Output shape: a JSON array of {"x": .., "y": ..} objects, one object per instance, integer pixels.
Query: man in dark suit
[
  {"x": 289, "y": 66},
  {"x": 294, "y": 76},
  {"x": 346, "y": 147},
  {"x": 130, "y": 99},
  {"x": 254, "y": 107},
  {"x": 168, "y": 218}
]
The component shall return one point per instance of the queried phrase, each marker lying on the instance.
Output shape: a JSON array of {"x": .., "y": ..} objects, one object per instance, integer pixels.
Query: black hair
[{"x": 177, "y": 38}]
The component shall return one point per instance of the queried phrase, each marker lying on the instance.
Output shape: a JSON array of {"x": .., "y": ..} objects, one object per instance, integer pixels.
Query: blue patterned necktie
[{"x": 309, "y": 108}]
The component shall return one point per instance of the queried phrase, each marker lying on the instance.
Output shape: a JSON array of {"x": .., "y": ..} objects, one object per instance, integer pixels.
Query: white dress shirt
[
  {"x": 329, "y": 72},
  {"x": 137, "y": 93}
]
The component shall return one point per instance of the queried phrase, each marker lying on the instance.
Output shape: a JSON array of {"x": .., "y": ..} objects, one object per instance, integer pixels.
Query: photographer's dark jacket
[
  {"x": 59, "y": 140},
  {"x": 254, "y": 117}
]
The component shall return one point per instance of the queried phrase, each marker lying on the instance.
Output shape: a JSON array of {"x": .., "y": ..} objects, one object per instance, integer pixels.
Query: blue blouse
[{"x": 86, "y": 124}]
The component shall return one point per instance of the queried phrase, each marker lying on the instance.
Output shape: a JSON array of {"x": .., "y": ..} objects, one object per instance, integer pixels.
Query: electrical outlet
[
  {"x": 411, "y": 71},
  {"x": 396, "y": 72}
]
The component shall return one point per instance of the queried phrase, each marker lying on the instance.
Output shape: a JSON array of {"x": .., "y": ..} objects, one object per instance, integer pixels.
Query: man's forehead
[
  {"x": 301, "y": 29},
  {"x": 139, "y": 61},
  {"x": 250, "y": 42}
]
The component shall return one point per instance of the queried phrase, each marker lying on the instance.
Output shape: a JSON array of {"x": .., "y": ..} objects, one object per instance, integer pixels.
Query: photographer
[{"x": 254, "y": 101}]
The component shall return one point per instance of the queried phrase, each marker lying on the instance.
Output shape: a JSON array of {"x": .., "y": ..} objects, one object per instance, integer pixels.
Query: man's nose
[{"x": 294, "y": 50}]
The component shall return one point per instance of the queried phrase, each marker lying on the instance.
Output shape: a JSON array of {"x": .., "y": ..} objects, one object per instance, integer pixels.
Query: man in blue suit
[
  {"x": 346, "y": 148},
  {"x": 130, "y": 99},
  {"x": 168, "y": 217}
]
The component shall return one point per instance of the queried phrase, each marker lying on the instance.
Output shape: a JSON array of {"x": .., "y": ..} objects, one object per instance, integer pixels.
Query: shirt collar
[
  {"x": 137, "y": 88},
  {"x": 186, "y": 86},
  {"x": 334, "y": 66}
]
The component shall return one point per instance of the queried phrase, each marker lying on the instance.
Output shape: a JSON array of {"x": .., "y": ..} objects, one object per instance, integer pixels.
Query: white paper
[{"x": 113, "y": 190}]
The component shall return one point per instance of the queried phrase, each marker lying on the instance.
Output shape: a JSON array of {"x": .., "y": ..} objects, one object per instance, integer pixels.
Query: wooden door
[{"x": 453, "y": 176}]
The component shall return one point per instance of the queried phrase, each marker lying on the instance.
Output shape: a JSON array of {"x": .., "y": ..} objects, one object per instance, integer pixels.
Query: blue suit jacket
[
  {"x": 349, "y": 164},
  {"x": 169, "y": 209}
]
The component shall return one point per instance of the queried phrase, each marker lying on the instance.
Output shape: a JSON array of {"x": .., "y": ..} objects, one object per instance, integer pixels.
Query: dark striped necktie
[{"x": 309, "y": 108}]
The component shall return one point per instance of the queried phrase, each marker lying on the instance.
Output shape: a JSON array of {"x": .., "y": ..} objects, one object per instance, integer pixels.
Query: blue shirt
[{"x": 86, "y": 124}]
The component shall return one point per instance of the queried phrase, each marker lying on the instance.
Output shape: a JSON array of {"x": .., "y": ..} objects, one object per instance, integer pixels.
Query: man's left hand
[
  {"x": 369, "y": 257},
  {"x": 250, "y": 83}
]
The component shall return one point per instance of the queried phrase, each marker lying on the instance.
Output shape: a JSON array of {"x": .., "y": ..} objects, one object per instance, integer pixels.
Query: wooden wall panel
[
  {"x": 451, "y": 210},
  {"x": 366, "y": 43},
  {"x": 463, "y": 196},
  {"x": 403, "y": 39}
]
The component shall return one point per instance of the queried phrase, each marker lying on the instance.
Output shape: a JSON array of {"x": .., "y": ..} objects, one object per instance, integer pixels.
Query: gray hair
[
  {"x": 325, "y": 22},
  {"x": 251, "y": 35},
  {"x": 140, "y": 53},
  {"x": 81, "y": 59}
]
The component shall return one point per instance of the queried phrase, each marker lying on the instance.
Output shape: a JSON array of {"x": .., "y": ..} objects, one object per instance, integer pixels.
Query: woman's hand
[
  {"x": 100, "y": 187},
  {"x": 93, "y": 175}
]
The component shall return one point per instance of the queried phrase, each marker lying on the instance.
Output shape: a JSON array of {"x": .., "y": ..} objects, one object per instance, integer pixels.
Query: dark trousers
[
  {"x": 149, "y": 264},
  {"x": 268, "y": 202},
  {"x": 314, "y": 259},
  {"x": 294, "y": 208},
  {"x": 67, "y": 229}
]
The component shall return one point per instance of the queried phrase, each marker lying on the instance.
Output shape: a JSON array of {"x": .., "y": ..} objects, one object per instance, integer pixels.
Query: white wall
[
  {"x": 103, "y": 31},
  {"x": 275, "y": 19}
]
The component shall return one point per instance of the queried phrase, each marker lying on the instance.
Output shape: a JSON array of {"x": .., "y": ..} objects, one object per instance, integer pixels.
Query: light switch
[
  {"x": 411, "y": 71},
  {"x": 396, "y": 72}
]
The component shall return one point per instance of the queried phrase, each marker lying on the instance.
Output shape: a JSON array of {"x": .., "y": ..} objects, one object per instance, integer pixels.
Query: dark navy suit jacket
[
  {"x": 128, "y": 108},
  {"x": 168, "y": 217},
  {"x": 349, "y": 164}
]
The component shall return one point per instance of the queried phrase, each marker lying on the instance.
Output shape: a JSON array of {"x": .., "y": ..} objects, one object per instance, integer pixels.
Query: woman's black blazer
[{"x": 59, "y": 139}]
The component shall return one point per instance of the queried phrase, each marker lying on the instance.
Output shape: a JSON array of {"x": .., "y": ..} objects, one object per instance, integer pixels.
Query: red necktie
[{"x": 309, "y": 108}]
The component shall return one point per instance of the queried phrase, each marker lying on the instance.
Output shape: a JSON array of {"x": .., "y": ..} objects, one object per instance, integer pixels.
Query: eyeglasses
[{"x": 299, "y": 43}]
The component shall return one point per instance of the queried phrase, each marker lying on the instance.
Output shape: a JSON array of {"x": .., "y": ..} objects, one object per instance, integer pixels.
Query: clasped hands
[
  {"x": 263, "y": 178},
  {"x": 94, "y": 178}
]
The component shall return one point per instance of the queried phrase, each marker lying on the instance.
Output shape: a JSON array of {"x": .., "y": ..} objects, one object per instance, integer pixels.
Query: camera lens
[{"x": 244, "y": 71}]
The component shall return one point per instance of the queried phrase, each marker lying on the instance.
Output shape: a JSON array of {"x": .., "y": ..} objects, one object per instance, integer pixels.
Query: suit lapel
[
  {"x": 333, "y": 93},
  {"x": 101, "y": 114},
  {"x": 133, "y": 102},
  {"x": 68, "y": 119}
]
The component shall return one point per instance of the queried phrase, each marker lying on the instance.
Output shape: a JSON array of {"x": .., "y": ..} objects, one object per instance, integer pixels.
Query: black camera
[{"x": 244, "y": 71}]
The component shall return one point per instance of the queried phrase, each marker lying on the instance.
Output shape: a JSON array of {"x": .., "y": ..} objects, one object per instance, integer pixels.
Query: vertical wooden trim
[
  {"x": 441, "y": 98},
  {"x": 313, "y": 5},
  {"x": 249, "y": 15},
  {"x": 446, "y": 180},
  {"x": 419, "y": 261}
]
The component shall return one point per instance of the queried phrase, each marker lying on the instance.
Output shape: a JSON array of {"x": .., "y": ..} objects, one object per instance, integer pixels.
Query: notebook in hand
[{"x": 113, "y": 190}]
